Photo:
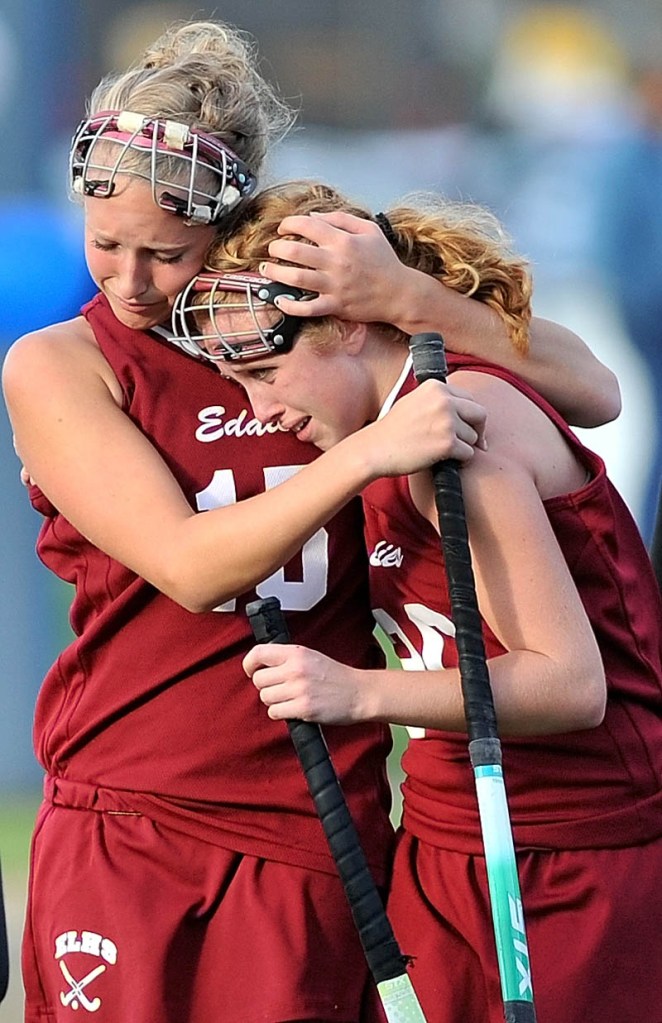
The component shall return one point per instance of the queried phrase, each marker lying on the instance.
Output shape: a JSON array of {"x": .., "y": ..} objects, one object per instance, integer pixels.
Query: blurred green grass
[{"x": 17, "y": 815}]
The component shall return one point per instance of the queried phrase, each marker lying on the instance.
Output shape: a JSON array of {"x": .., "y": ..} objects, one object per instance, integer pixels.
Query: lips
[
  {"x": 300, "y": 425},
  {"x": 134, "y": 307},
  {"x": 296, "y": 426}
]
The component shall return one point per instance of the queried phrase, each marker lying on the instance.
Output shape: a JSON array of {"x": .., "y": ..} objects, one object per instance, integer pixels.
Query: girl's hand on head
[
  {"x": 434, "y": 422},
  {"x": 346, "y": 260},
  {"x": 295, "y": 682}
]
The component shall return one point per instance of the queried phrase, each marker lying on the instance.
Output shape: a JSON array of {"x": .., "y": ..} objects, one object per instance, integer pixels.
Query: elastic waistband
[{"x": 80, "y": 795}]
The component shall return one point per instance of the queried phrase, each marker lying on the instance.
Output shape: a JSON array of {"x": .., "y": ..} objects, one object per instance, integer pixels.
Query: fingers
[
  {"x": 315, "y": 256},
  {"x": 345, "y": 260},
  {"x": 347, "y": 222},
  {"x": 429, "y": 424},
  {"x": 264, "y": 655},
  {"x": 295, "y": 682},
  {"x": 309, "y": 278},
  {"x": 264, "y": 666},
  {"x": 469, "y": 411},
  {"x": 472, "y": 420},
  {"x": 321, "y": 227},
  {"x": 449, "y": 404},
  {"x": 325, "y": 304}
]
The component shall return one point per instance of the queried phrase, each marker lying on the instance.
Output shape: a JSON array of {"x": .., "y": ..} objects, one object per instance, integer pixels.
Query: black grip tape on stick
[
  {"x": 382, "y": 952},
  {"x": 429, "y": 361}
]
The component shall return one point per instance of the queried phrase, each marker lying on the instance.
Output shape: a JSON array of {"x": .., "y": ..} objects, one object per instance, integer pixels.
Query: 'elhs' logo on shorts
[{"x": 92, "y": 944}]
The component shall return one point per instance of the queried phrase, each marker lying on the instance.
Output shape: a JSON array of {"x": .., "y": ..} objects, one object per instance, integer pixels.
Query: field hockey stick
[
  {"x": 484, "y": 746},
  {"x": 386, "y": 962},
  {"x": 656, "y": 543},
  {"x": 4, "y": 947}
]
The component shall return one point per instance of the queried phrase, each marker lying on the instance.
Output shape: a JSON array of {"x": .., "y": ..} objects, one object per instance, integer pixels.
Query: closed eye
[
  {"x": 169, "y": 259},
  {"x": 160, "y": 258},
  {"x": 266, "y": 375}
]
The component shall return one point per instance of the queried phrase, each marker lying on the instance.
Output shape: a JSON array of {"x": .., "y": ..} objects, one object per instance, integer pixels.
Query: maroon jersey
[
  {"x": 151, "y": 700},
  {"x": 597, "y": 787}
]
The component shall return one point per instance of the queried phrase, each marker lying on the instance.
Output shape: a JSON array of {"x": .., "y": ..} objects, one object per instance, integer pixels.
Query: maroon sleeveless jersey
[
  {"x": 594, "y": 788},
  {"x": 152, "y": 700}
]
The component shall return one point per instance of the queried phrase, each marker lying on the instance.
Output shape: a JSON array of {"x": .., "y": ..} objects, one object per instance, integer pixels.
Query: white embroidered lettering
[
  {"x": 214, "y": 426},
  {"x": 386, "y": 555},
  {"x": 109, "y": 951},
  {"x": 90, "y": 943}
]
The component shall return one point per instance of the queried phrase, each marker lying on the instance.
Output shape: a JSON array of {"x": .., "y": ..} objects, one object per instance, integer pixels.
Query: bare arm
[
  {"x": 359, "y": 277},
  {"x": 109, "y": 481},
  {"x": 550, "y": 680}
]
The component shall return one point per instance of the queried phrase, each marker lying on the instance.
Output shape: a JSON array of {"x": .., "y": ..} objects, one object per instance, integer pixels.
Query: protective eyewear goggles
[
  {"x": 213, "y": 178},
  {"x": 222, "y": 328}
]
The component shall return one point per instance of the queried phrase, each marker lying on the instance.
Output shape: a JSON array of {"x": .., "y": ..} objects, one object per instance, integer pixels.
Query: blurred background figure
[
  {"x": 631, "y": 253},
  {"x": 560, "y": 113}
]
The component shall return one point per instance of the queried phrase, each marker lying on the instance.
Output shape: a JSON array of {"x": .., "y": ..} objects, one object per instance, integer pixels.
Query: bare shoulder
[
  {"x": 508, "y": 410},
  {"x": 61, "y": 354},
  {"x": 67, "y": 339},
  {"x": 521, "y": 438}
]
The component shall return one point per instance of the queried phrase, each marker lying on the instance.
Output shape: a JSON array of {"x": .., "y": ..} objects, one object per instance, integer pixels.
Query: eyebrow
[{"x": 159, "y": 247}]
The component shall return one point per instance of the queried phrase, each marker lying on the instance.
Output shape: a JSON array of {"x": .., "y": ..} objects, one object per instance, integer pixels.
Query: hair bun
[
  {"x": 204, "y": 74},
  {"x": 200, "y": 37}
]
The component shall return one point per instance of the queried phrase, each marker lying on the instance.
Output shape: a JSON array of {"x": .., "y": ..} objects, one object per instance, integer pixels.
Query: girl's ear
[{"x": 353, "y": 336}]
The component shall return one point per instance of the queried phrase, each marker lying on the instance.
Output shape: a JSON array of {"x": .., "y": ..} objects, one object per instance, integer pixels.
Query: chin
[
  {"x": 139, "y": 320},
  {"x": 331, "y": 438}
]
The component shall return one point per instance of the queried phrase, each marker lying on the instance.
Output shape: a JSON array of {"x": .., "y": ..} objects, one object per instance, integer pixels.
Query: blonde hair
[
  {"x": 460, "y": 244},
  {"x": 203, "y": 74}
]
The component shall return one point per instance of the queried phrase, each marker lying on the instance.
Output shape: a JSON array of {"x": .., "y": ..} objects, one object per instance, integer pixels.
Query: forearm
[
  {"x": 559, "y": 365},
  {"x": 430, "y": 424},
  {"x": 142, "y": 519},
  {"x": 533, "y": 694},
  {"x": 226, "y": 551},
  {"x": 562, "y": 368},
  {"x": 469, "y": 327},
  {"x": 531, "y": 697}
]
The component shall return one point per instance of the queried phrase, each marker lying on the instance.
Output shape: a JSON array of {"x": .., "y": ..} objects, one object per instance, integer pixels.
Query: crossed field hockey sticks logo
[
  {"x": 92, "y": 944},
  {"x": 76, "y": 996}
]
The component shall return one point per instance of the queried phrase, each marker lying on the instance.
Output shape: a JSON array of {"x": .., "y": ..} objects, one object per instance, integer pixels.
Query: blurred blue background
[{"x": 549, "y": 113}]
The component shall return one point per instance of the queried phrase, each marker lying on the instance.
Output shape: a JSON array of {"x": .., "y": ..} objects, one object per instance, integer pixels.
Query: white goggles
[
  {"x": 201, "y": 156},
  {"x": 220, "y": 329}
]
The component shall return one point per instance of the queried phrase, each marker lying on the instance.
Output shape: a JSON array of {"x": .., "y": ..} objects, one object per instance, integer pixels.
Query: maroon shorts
[
  {"x": 130, "y": 922},
  {"x": 594, "y": 928}
]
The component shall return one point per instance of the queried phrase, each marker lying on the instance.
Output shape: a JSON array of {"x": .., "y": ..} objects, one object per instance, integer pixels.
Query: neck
[{"x": 390, "y": 358}]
